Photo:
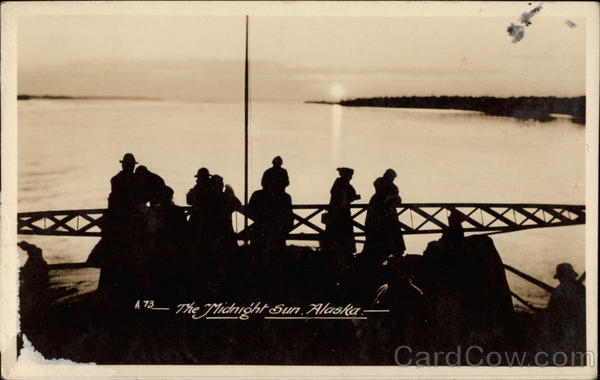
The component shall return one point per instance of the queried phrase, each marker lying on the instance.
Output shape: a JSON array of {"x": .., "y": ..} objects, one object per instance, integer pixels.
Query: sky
[{"x": 200, "y": 58}]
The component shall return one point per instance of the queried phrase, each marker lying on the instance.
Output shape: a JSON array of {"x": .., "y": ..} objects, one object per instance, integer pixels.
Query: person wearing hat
[
  {"x": 121, "y": 200},
  {"x": 275, "y": 179},
  {"x": 566, "y": 311},
  {"x": 111, "y": 251},
  {"x": 201, "y": 199},
  {"x": 202, "y": 183},
  {"x": 339, "y": 229},
  {"x": 122, "y": 184}
]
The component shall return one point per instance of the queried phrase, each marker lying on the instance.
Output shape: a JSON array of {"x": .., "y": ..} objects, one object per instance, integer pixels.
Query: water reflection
[
  {"x": 336, "y": 132},
  {"x": 439, "y": 155}
]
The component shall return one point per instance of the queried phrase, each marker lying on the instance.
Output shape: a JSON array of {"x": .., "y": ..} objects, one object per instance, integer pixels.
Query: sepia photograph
[{"x": 301, "y": 189}]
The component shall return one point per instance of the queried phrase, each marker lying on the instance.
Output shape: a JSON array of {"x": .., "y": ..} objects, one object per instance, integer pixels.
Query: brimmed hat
[
  {"x": 565, "y": 270},
  {"x": 128, "y": 158},
  {"x": 202, "y": 172},
  {"x": 345, "y": 171}
]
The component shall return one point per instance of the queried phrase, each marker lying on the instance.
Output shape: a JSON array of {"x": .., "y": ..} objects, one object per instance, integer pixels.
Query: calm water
[{"x": 68, "y": 151}]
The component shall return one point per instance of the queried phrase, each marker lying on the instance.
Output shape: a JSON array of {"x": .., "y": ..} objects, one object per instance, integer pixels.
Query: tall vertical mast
[{"x": 246, "y": 133}]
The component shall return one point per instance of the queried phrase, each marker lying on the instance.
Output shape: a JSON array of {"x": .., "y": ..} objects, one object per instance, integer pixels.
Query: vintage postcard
[{"x": 299, "y": 189}]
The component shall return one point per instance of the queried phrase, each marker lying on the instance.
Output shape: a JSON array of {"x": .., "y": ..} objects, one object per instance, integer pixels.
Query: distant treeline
[
  {"x": 61, "y": 97},
  {"x": 524, "y": 107}
]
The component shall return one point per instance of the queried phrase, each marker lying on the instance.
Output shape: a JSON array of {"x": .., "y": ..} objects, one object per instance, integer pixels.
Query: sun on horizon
[{"x": 337, "y": 92}]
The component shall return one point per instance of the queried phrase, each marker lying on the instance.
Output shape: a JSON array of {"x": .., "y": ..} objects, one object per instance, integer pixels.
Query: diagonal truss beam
[{"x": 56, "y": 222}]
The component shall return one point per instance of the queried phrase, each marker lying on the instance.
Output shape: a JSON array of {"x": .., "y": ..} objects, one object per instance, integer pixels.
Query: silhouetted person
[
  {"x": 271, "y": 210},
  {"x": 110, "y": 254},
  {"x": 172, "y": 222},
  {"x": 383, "y": 230},
  {"x": 121, "y": 201},
  {"x": 275, "y": 179},
  {"x": 200, "y": 198},
  {"x": 122, "y": 192},
  {"x": 468, "y": 293},
  {"x": 145, "y": 231},
  {"x": 224, "y": 203},
  {"x": 566, "y": 312},
  {"x": 33, "y": 289},
  {"x": 273, "y": 219},
  {"x": 406, "y": 303},
  {"x": 149, "y": 186},
  {"x": 339, "y": 229},
  {"x": 33, "y": 276},
  {"x": 231, "y": 204},
  {"x": 166, "y": 260},
  {"x": 454, "y": 236}
]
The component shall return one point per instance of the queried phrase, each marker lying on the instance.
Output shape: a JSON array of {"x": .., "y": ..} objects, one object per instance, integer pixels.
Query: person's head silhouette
[
  {"x": 128, "y": 162},
  {"x": 455, "y": 219},
  {"x": 141, "y": 171},
  {"x": 565, "y": 272},
  {"x": 277, "y": 161},
  {"x": 217, "y": 182},
  {"x": 389, "y": 174},
  {"x": 346, "y": 173},
  {"x": 202, "y": 175},
  {"x": 32, "y": 250}
]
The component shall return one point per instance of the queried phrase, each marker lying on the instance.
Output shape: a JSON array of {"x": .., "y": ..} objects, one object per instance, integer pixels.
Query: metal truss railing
[{"x": 415, "y": 218}]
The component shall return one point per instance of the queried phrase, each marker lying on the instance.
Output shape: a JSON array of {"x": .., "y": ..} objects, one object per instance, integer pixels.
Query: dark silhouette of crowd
[
  {"x": 455, "y": 293},
  {"x": 150, "y": 245}
]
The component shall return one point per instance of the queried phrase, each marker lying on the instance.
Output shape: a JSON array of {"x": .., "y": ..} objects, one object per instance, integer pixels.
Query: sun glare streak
[{"x": 336, "y": 132}]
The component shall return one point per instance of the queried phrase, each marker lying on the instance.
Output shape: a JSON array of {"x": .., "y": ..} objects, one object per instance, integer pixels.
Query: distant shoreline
[
  {"x": 64, "y": 97},
  {"x": 523, "y": 108}
]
